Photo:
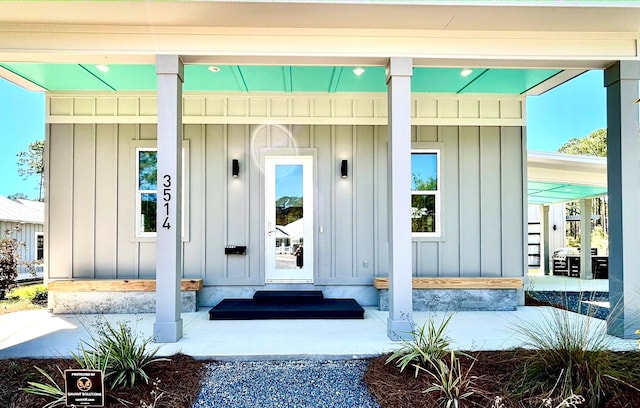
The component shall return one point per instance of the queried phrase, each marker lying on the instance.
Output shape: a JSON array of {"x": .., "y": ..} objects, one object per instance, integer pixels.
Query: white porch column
[
  {"x": 545, "y": 267},
  {"x": 168, "y": 325},
  {"x": 623, "y": 178},
  {"x": 585, "y": 239},
  {"x": 399, "y": 323}
]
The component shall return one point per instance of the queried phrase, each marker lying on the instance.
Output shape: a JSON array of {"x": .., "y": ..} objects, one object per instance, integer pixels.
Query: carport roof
[{"x": 556, "y": 178}]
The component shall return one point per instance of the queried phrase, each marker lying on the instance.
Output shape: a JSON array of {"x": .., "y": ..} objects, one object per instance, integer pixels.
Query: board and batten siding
[{"x": 91, "y": 184}]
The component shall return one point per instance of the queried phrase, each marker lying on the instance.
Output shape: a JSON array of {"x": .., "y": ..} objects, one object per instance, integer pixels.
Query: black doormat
[{"x": 286, "y": 305}]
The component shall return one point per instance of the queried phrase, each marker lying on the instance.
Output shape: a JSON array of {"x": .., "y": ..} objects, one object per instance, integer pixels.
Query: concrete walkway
[
  {"x": 40, "y": 334},
  {"x": 564, "y": 283}
]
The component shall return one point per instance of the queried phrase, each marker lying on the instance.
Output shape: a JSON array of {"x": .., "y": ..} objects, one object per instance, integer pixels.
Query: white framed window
[
  {"x": 146, "y": 191},
  {"x": 39, "y": 247},
  {"x": 425, "y": 193},
  {"x": 146, "y": 163}
]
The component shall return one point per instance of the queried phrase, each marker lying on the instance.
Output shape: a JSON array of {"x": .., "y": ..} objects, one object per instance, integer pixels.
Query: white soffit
[
  {"x": 558, "y": 16},
  {"x": 565, "y": 168}
]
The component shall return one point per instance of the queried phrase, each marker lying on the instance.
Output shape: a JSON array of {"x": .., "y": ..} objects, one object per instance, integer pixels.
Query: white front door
[{"x": 289, "y": 218}]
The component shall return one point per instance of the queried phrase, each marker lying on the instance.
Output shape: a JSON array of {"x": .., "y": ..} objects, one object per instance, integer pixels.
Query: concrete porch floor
[{"x": 41, "y": 334}]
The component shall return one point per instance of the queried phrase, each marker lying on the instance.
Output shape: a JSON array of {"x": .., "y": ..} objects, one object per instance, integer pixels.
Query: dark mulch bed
[
  {"x": 178, "y": 380},
  {"x": 493, "y": 371}
]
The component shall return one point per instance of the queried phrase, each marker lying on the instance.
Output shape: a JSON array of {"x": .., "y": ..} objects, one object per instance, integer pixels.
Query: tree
[
  {"x": 288, "y": 210},
  {"x": 31, "y": 162},
  {"x": 594, "y": 144},
  {"x": 18, "y": 196},
  {"x": 9, "y": 259}
]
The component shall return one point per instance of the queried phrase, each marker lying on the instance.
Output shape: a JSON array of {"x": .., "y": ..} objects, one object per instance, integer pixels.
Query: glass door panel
[{"x": 289, "y": 218}]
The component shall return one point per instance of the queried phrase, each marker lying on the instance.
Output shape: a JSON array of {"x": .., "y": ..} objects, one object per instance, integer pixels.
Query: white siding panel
[
  {"x": 301, "y": 136},
  {"x": 450, "y": 202},
  {"x": 106, "y": 206},
  {"x": 127, "y": 247},
  {"x": 363, "y": 179},
  {"x": 60, "y": 240},
  {"x": 215, "y": 175},
  {"x": 490, "y": 202},
  {"x": 469, "y": 187},
  {"x": 258, "y": 139},
  {"x": 513, "y": 256},
  {"x": 427, "y": 258},
  {"x": 146, "y": 260},
  {"x": 326, "y": 178},
  {"x": 192, "y": 259},
  {"x": 343, "y": 210},
  {"x": 84, "y": 153},
  {"x": 237, "y": 214},
  {"x": 380, "y": 187}
]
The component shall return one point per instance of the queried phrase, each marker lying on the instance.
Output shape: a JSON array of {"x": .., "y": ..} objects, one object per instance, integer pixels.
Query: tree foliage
[
  {"x": 18, "y": 196},
  {"x": 594, "y": 144},
  {"x": 288, "y": 210},
  {"x": 9, "y": 258},
  {"x": 31, "y": 162},
  {"x": 420, "y": 183}
]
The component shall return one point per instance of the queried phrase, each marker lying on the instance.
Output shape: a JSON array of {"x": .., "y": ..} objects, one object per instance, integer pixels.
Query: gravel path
[{"x": 290, "y": 384}]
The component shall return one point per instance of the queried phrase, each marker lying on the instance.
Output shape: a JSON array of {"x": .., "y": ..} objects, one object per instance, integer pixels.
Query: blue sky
[
  {"x": 21, "y": 122},
  {"x": 573, "y": 109}
]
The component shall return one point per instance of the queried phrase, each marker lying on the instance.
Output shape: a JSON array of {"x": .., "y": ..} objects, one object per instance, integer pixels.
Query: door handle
[{"x": 269, "y": 230}]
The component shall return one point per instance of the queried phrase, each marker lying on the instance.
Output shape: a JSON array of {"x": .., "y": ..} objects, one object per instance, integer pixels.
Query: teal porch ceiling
[
  {"x": 552, "y": 193},
  {"x": 253, "y": 78}
]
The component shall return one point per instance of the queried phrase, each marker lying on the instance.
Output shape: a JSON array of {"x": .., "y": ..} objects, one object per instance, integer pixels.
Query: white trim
[
  {"x": 436, "y": 193},
  {"x": 436, "y": 109},
  {"x": 140, "y": 236},
  {"x": 306, "y": 274}
]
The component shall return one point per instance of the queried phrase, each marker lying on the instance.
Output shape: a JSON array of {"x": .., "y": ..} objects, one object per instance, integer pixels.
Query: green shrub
[
  {"x": 50, "y": 390},
  {"x": 449, "y": 379},
  {"x": 36, "y": 294},
  {"x": 571, "y": 356},
  {"x": 123, "y": 353},
  {"x": 428, "y": 345},
  {"x": 9, "y": 258}
]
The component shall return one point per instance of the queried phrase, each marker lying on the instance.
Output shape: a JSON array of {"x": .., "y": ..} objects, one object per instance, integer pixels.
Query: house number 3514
[{"x": 166, "y": 198}]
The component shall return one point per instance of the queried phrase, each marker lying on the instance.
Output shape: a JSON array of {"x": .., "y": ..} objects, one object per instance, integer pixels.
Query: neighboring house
[
  {"x": 556, "y": 228},
  {"x": 553, "y": 180},
  {"x": 28, "y": 216},
  {"x": 400, "y": 128}
]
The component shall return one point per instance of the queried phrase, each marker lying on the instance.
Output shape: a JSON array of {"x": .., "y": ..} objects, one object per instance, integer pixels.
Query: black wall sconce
[
  {"x": 343, "y": 169},
  {"x": 235, "y": 168}
]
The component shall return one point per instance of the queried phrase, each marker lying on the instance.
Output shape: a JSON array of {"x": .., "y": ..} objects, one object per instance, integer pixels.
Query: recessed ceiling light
[
  {"x": 358, "y": 71},
  {"x": 213, "y": 68},
  {"x": 466, "y": 72},
  {"x": 102, "y": 68}
]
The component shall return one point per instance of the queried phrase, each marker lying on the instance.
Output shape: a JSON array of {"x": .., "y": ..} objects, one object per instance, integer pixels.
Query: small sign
[{"x": 84, "y": 388}]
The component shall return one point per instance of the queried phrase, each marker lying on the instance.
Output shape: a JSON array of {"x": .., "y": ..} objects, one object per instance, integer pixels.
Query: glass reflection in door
[{"x": 289, "y": 216}]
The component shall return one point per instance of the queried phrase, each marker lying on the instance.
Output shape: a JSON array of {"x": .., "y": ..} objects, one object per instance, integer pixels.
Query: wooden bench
[
  {"x": 114, "y": 295},
  {"x": 116, "y": 285},
  {"x": 456, "y": 294},
  {"x": 456, "y": 283}
]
